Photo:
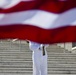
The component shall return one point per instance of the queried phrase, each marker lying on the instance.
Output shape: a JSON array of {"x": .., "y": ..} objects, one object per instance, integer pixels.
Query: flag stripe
[
  {"x": 46, "y": 5},
  {"x": 62, "y": 34},
  {"x": 5, "y": 4},
  {"x": 40, "y": 18}
]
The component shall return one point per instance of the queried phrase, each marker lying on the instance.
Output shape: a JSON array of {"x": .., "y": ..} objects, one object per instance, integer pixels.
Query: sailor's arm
[{"x": 33, "y": 46}]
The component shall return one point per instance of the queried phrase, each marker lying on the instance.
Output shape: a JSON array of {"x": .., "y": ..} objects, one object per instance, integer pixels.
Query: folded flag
[{"x": 43, "y": 21}]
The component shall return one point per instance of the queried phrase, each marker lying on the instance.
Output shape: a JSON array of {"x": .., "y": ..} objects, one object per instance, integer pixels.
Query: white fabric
[
  {"x": 34, "y": 46},
  {"x": 39, "y": 18},
  {"x": 39, "y": 61},
  {"x": 8, "y": 3}
]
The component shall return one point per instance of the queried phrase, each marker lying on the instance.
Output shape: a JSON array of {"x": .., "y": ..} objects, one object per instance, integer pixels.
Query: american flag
[{"x": 43, "y": 21}]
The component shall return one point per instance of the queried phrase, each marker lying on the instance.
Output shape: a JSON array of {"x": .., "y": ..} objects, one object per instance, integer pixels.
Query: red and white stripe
[{"x": 43, "y": 21}]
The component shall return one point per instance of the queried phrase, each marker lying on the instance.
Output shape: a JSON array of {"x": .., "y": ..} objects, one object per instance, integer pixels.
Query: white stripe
[
  {"x": 40, "y": 18},
  {"x": 72, "y": 24},
  {"x": 1, "y": 16},
  {"x": 8, "y": 3}
]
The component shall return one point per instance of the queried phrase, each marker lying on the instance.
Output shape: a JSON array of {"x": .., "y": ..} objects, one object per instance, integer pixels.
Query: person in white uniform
[{"x": 39, "y": 58}]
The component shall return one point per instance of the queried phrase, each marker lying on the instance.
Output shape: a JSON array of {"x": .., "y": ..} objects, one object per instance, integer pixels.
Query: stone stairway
[{"x": 15, "y": 59}]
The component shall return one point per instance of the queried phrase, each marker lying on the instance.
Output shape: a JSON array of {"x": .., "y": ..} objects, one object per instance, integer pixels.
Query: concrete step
[
  {"x": 30, "y": 56},
  {"x": 19, "y": 57},
  {"x": 54, "y": 60},
  {"x": 29, "y": 52},
  {"x": 28, "y": 65},
  {"x": 49, "y": 65},
  {"x": 30, "y": 61},
  {"x": 30, "y": 72},
  {"x": 21, "y": 69},
  {"x": 49, "y": 53},
  {"x": 31, "y": 69},
  {"x": 49, "y": 60}
]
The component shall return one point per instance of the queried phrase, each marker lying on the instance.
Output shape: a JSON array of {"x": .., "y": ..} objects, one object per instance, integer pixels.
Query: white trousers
[{"x": 39, "y": 63}]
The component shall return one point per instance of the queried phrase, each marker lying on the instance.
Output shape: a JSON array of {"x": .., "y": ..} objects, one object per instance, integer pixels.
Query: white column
[{"x": 67, "y": 46}]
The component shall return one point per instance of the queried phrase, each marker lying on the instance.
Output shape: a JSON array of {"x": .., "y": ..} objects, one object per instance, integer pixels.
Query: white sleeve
[{"x": 34, "y": 46}]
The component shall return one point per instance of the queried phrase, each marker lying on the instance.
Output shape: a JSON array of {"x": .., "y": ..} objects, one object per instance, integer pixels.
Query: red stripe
[
  {"x": 58, "y": 6},
  {"x": 64, "y": 34},
  {"x": 55, "y": 6},
  {"x": 22, "y": 6}
]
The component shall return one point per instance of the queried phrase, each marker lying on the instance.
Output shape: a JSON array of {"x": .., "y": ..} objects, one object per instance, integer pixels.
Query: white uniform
[{"x": 39, "y": 61}]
